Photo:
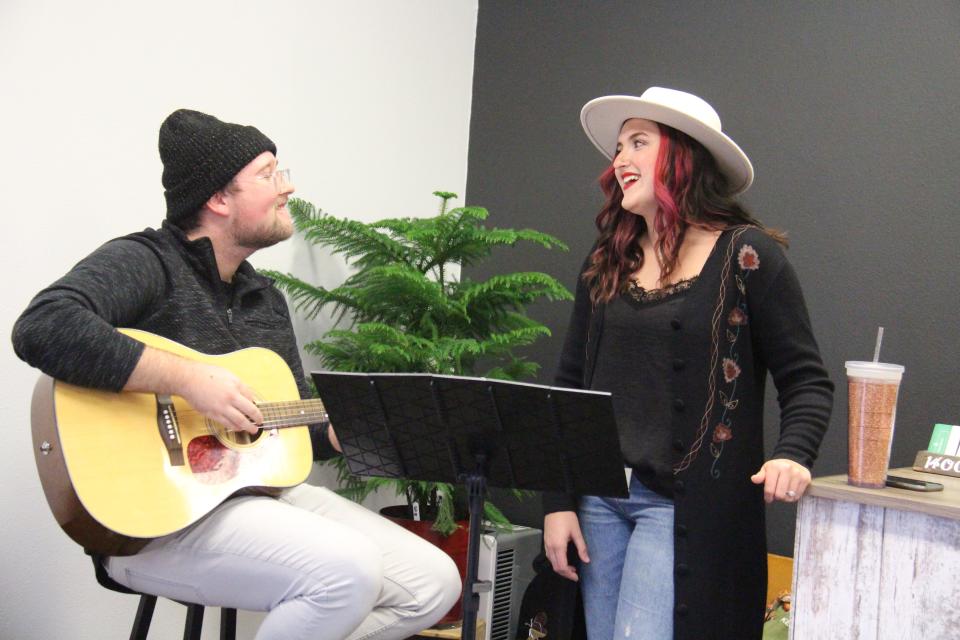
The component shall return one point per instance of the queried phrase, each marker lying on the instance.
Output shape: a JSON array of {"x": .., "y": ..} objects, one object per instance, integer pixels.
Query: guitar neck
[{"x": 294, "y": 413}]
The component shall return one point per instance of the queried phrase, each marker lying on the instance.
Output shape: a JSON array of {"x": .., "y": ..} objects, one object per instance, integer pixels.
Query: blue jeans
[{"x": 628, "y": 583}]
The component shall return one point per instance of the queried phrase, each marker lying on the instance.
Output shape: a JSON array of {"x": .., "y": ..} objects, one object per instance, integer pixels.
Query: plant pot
[{"x": 454, "y": 545}]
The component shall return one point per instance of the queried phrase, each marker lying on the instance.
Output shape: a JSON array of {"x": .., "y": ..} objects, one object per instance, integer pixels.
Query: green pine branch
[
  {"x": 351, "y": 238},
  {"x": 307, "y": 298}
]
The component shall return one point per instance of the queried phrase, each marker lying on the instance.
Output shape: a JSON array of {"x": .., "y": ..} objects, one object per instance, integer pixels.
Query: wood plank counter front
[{"x": 877, "y": 564}]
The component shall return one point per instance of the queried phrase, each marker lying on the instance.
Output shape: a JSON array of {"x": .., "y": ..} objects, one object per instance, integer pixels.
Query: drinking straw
[{"x": 876, "y": 349}]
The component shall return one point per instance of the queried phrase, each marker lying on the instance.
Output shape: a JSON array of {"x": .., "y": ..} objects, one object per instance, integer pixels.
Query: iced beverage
[{"x": 872, "y": 389}]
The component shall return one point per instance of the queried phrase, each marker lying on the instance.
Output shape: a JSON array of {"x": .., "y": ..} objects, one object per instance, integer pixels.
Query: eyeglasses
[{"x": 279, "y": 177}]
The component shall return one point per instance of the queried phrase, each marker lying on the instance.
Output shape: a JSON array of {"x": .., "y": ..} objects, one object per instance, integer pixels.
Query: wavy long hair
[{"x": 689, "y": 190}]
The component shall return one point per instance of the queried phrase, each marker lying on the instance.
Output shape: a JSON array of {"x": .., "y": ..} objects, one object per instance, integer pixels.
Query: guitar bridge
[{"x": 169, "y": 429}]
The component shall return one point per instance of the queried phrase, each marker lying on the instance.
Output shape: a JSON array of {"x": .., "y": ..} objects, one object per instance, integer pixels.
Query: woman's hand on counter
[{"x": 782, "y": 479}]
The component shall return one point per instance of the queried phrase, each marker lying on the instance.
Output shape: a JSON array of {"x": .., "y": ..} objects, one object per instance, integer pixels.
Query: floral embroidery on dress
[
  {"x": 728, "y": 402},
  {"x": 726, "y": 367},
  {"x": 731, "y": 370},
  {"x": 749, "y": 261},
  {"x": 748, "y": 258},
  {"x": 722, "y": 433},
  {"x": 737, "y": 317}
]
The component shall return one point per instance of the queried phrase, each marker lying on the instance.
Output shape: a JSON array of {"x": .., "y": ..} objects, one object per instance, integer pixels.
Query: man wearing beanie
[{"x": 322, "y": 566}]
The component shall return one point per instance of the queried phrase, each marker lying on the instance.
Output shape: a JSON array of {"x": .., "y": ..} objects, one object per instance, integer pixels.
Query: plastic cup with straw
[{"x": 872, "y": 390}]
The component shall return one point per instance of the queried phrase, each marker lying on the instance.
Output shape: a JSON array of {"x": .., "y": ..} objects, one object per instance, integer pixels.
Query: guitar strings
[{"x": 285, "y": 414}]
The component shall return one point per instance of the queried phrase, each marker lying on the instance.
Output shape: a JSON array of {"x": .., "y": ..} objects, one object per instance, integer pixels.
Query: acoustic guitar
[{"x": 119, "y": 469}]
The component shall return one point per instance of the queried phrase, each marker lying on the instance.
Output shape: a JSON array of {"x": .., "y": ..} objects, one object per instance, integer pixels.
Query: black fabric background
[{"x": 848, "y": 113}]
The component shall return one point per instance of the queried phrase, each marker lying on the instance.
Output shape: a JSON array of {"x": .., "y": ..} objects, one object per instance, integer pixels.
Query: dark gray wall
[{"x": 850, "y": 113}]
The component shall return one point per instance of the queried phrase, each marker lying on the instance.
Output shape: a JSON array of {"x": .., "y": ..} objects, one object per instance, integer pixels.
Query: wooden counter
[{"x": 877, "y": 564}]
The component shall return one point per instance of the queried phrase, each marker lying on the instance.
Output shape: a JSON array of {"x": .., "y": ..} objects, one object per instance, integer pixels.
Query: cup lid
[{"x": 876, "y": 370}]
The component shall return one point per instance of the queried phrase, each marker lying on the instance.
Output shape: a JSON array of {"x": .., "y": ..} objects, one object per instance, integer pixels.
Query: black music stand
[{"x": 477, "y": 431}]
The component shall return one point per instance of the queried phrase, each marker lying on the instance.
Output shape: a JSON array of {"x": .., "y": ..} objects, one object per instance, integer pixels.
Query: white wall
[{"x": 368, "y": 102}]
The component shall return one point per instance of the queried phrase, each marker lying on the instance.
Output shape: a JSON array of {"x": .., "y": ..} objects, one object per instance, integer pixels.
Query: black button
[
  {"x": 678, "y": 445},
  {"x": 683, "y": 570},
  {"x": 680, "y": 530},
  {"x": 682, "y": 609},
  {"x": 675, "y": 323},
  {"x": 678, "y": 404},
  {"x": 679, "y": 487},
  {"x": 679, "y": 364}
]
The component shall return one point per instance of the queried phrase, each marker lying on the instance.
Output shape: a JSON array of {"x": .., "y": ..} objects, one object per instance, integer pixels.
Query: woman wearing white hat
[{"x": 684, "y": 304}]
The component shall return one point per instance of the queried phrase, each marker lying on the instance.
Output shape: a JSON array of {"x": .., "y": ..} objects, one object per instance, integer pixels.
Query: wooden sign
[{"x": 937, "y": 463}]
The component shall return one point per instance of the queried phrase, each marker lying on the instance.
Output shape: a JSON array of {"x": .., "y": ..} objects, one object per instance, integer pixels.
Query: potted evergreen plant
[{"x": 406, "y": 309}]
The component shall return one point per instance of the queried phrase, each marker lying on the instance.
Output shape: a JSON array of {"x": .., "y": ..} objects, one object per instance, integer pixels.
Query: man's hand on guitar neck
[{"x": 213, "y": 391}]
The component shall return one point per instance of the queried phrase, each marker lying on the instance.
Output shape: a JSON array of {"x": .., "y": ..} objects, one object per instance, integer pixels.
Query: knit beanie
[{"x": 200, "y": 155}]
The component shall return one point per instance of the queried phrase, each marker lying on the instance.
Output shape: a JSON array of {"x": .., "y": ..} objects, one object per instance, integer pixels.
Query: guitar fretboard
[{"x": 277, "y": 415}]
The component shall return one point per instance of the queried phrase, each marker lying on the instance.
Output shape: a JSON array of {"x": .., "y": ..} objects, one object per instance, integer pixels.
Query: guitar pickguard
[{"x": 211, "y": 462}]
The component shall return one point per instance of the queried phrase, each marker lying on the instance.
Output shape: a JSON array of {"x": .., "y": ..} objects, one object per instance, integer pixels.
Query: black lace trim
[{"x": 640, "y": 294}]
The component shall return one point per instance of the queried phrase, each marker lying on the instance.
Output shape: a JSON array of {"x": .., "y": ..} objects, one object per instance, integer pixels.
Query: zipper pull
[{"x": 229, "y": 316}]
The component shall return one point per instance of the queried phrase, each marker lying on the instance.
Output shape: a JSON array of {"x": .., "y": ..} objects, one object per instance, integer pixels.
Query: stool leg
[
  {"x": 194, "y": 624},
  {"x": 228, "y": 624},
  {"x": 141, "y": 623}
]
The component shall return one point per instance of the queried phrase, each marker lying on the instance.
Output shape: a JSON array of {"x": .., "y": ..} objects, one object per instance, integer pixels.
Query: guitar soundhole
[{"x": 241, "y": 438}]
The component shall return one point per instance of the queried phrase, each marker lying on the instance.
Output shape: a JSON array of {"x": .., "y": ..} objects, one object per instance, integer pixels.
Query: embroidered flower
[
  {"x": 748, "y": 258},
  {"x": 731, "y": 370},
  {"x": 722, "y": 433},
  {"x": 737, "y": 317}
]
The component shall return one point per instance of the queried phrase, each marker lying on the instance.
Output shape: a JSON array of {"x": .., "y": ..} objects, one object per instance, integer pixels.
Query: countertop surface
[{"x": 944, "y": 503}]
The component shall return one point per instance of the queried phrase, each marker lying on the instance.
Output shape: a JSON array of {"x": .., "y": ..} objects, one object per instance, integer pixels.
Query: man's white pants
[{"x": 324, "y": 567}]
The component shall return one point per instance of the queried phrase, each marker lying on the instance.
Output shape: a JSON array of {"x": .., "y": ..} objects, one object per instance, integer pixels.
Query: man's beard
[{"x": 261, "y": 238}]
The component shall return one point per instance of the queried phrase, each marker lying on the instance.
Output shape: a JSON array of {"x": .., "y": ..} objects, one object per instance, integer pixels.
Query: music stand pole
[{"x": 476, "y": 483}]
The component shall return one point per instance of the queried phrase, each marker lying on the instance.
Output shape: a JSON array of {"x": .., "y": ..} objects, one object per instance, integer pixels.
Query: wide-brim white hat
[{"x": 603, "y": 117}]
